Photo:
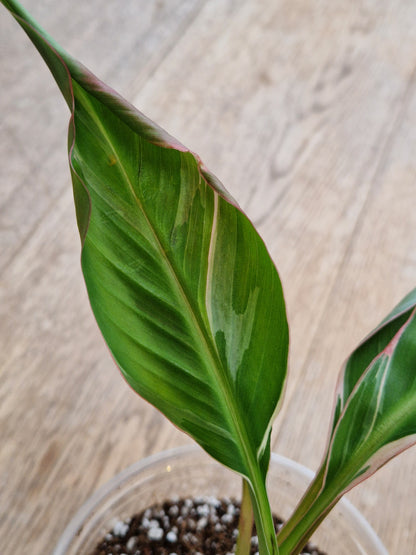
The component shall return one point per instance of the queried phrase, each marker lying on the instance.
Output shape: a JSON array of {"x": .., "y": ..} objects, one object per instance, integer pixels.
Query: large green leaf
[
  {"x": 182, "y": 287},
  {"x": 374, "y": 418}
]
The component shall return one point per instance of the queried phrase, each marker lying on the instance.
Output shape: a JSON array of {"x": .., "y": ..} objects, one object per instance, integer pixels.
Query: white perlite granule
[
  {"x": 171, "y": 536},
  {"x": 155, "y": 533},
  {"x": 131, "y": 544},
  {"x": 120, "y": 528}
]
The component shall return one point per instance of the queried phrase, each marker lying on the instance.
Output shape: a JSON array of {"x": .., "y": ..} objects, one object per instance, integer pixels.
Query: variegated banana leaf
[
  {"x": 374, "y": 418},
  {"x": 181, "y": 285},
  {"x": 375, "y": 415}
]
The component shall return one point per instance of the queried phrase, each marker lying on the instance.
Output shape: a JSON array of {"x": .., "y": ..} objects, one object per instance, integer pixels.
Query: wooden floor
[{"x": 307, "y": 113}]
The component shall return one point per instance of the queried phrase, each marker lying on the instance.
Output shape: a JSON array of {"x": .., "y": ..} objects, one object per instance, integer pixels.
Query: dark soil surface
[{"x": 200, "y": 526}]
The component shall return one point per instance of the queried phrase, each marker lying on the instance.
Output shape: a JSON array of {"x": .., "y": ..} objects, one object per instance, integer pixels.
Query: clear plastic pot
[{"x": 188, "y": 471}]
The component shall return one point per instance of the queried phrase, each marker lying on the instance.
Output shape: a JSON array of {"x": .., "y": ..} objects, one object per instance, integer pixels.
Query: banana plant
[{"x": 192, "y": 309}]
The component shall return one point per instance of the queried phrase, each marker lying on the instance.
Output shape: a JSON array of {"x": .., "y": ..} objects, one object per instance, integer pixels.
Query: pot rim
[{"x": 75, "y": 525}]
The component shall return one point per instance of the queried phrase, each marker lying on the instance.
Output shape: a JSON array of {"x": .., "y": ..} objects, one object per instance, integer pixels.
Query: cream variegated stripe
[
  {"x": 385, "y": 367},
  {"x": 210, "y": 265}
]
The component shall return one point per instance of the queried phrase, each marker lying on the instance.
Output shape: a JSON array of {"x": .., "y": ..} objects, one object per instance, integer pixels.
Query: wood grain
[{"x": 307, "y": 112}]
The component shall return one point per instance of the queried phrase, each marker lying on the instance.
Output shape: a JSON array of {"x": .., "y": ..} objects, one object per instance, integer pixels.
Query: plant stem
[
  {"x": 308, "y": 515},
  {"x": 302, "y": 508},
  {"x": 320, "y": 498},
  {"x": 263, "y": 515},
  {"x": 245, "y": 525},
  {"x": 297, "y": 539}
]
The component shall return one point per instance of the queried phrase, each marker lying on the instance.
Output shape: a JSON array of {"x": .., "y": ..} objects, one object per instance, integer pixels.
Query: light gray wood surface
[{"x": 307, "y": 113}]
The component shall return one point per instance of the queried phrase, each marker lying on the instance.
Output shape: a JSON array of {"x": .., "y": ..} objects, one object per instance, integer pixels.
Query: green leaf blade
[
  {"x": 192, "y": 275},
  {"x": 369, "y": 349},
  {"x": 153, "y": 211},
  {"x": 379, "y": 419}
]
